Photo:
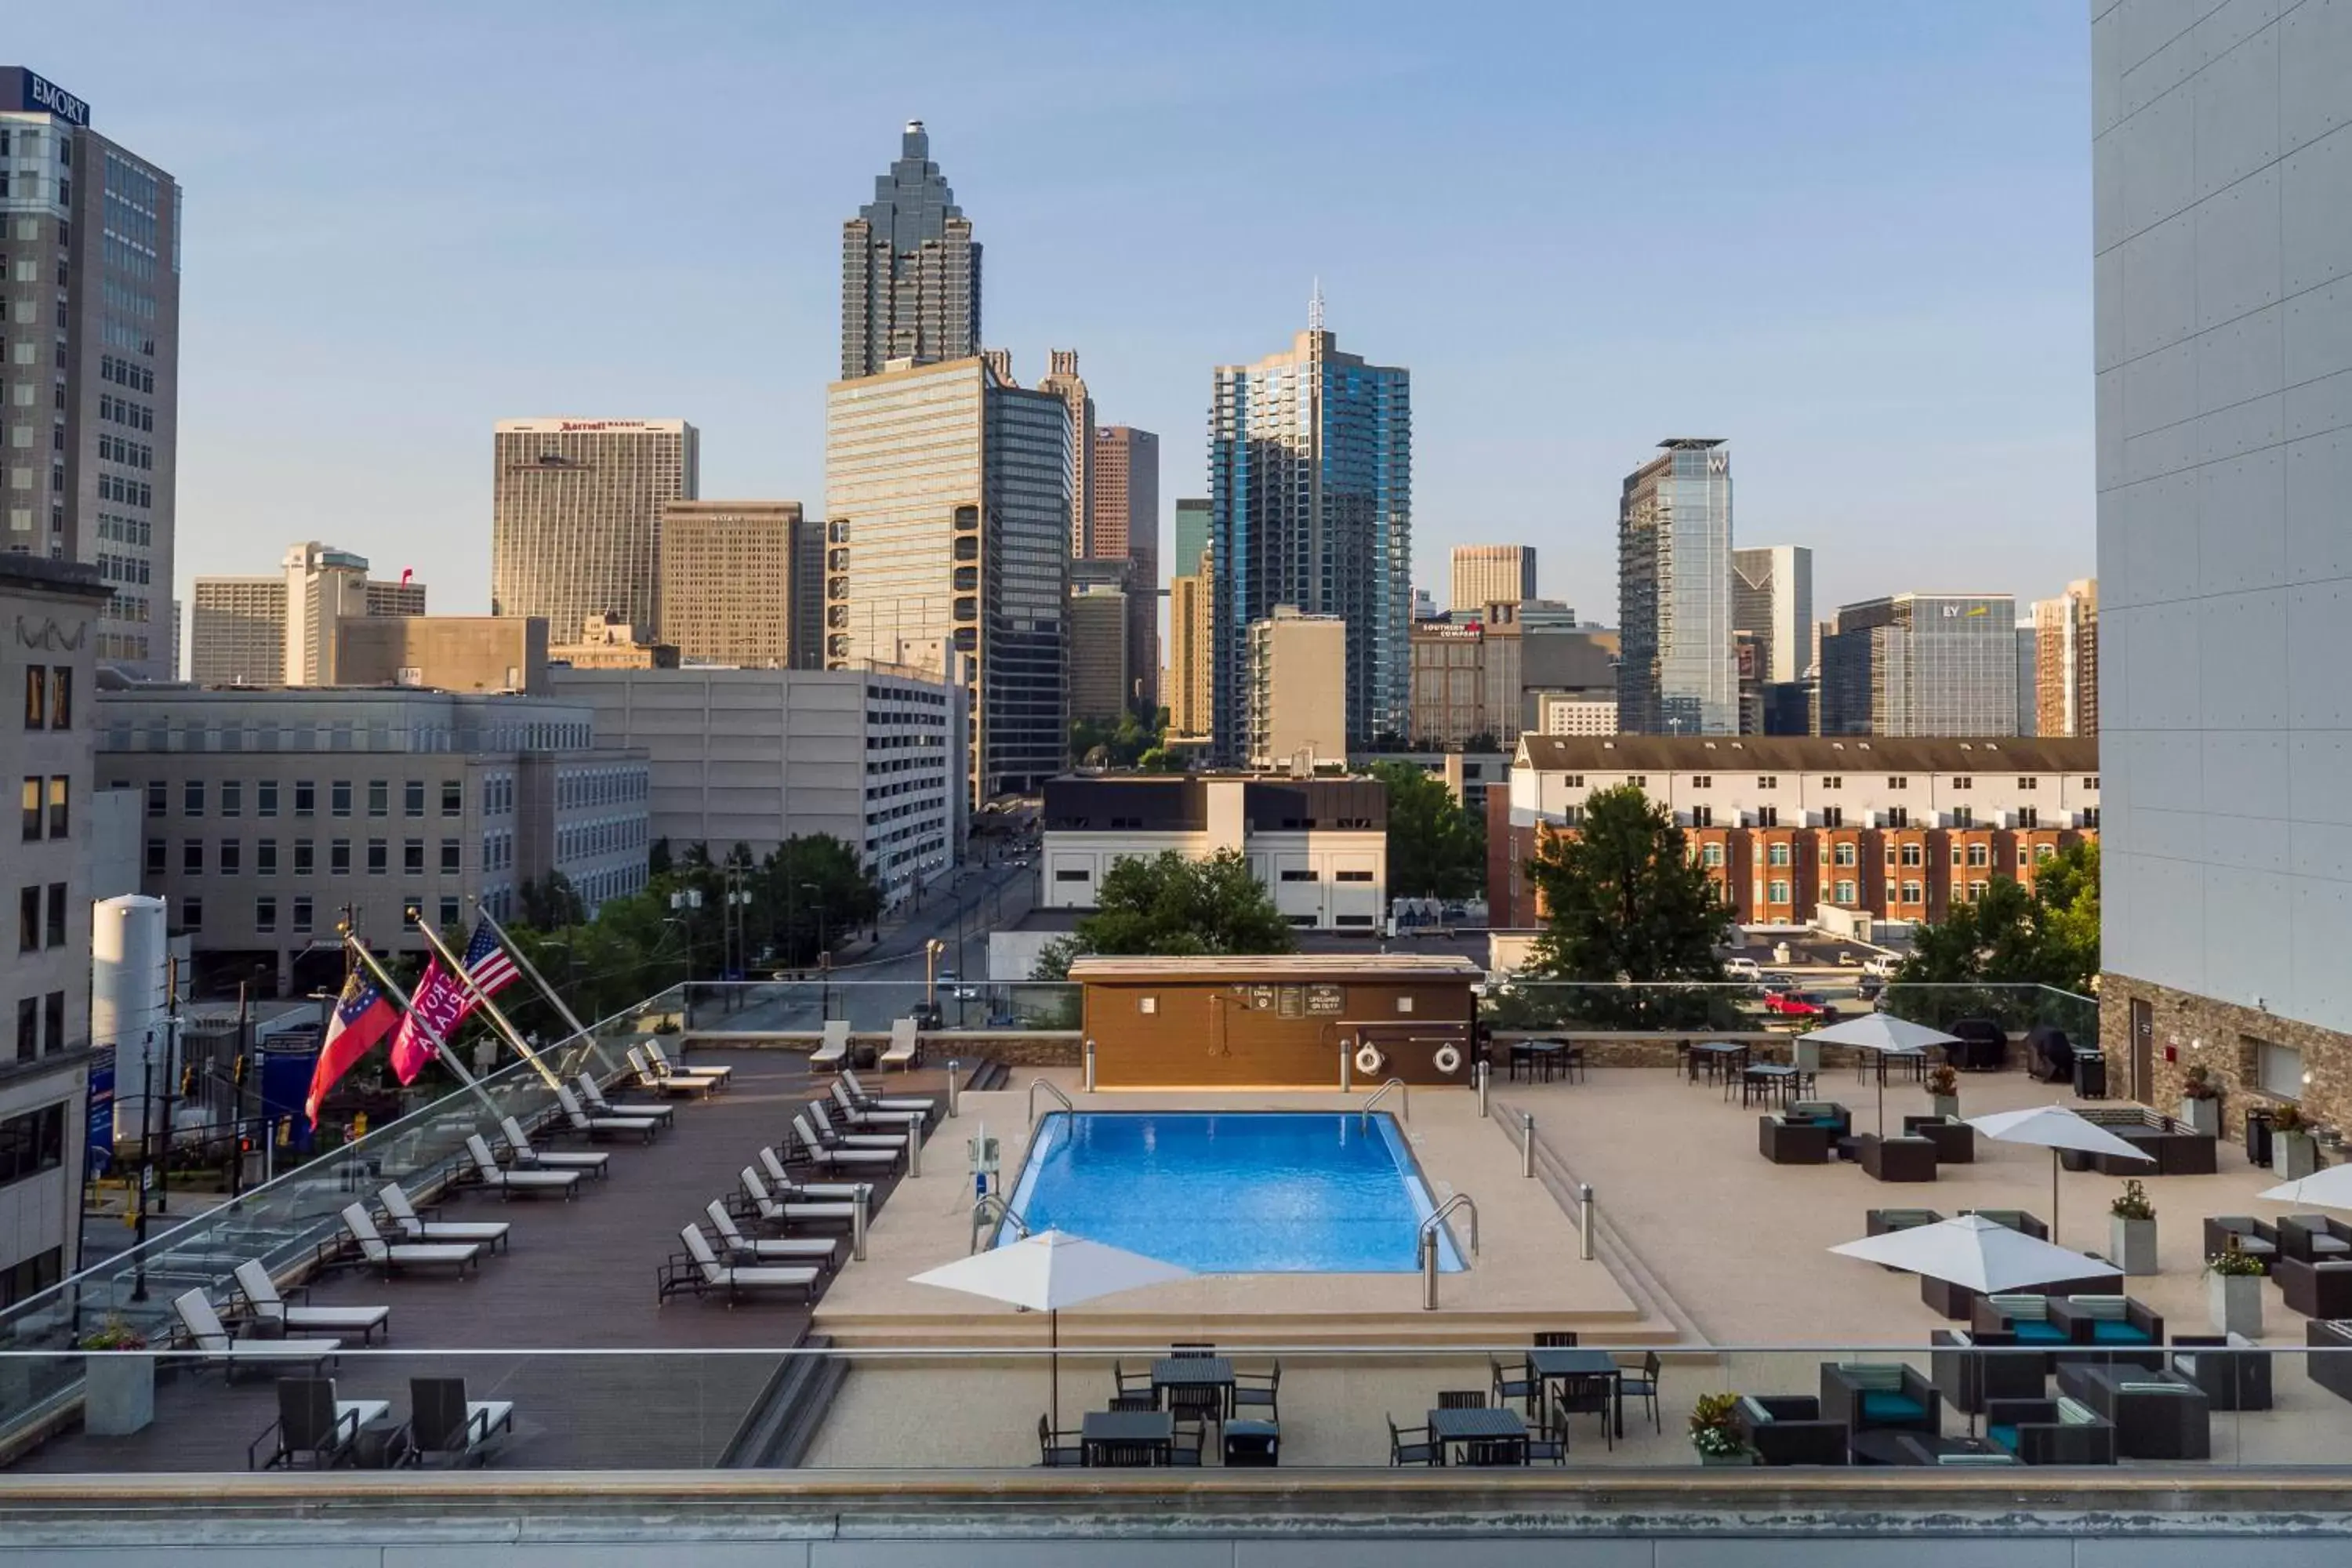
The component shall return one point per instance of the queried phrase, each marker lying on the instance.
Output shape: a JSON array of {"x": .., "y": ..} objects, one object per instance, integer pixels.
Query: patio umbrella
[
  {"x": 1974, "y": 1252},
  {"x": 2054, "y": 1127},
  {"x": 2328, "y": 1189},
  {"x": 1885, "y": 1034},
  {"x": 1049, "y": 1271}
]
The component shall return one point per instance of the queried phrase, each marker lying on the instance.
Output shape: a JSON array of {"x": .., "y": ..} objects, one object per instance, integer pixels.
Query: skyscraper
[
  {"x": 1063, "y": 382},
  {"x": 2066, "y": 661},
  {"x": 1194, "y": 518},
  {"x": 1310, "y": 474},
  {"x": 1298, "y": 680},
  {"x": 741, "y": 583},
  {"x": 281, "y": 630},
  {"x": 1488, "y": 574},
  {"x": 1190, "y": 629},
  {"x": 1126, "y": 501},
  {"x": 1101, "y": 679},
  {"x": 576, "y": 508},
  {"x": 1679, "y": 673},
  {"x": 1772, "y": 599},
  {"x": 93, "y": 236},
  {"x": 909, "y": 269},
  {"x": 1922, "y": 665},
  {"x": 947, "y": 542}
]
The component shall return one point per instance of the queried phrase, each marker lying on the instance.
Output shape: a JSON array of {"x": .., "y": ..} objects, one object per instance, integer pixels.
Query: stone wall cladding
[{"x": 2183, "y": 1019}]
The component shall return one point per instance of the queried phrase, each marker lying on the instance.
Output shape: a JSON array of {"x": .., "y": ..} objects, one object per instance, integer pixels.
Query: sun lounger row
[{"x": 316, "y": 1427}]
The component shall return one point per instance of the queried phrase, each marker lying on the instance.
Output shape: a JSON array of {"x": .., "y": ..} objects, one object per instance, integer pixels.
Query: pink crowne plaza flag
[
  {"x": 362, "y": 1013},
  {"x": 443, "y": 1003}
]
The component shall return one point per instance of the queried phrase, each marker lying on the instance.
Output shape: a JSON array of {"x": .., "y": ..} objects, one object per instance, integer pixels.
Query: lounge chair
[
  {"x": 654, "y": 1078},
  {"x": 202, "y": 1327},
  {"x": 312, "y": 1425},
  {"x": 765, "y": 1208},
  {"x": 593, "y": 1096},
  {"x": 741, "y": 1248},
  {"x": 593, "y": 1127},
  {"x": 818, "y": 1150},
  {"x": 442, "y": 1423},
  {"x": 265, "y": 1308},
  {"x": 413, "y": 1226},
  {"x": 530, "y": 1159},
  {"x": 790, "y": 1190},
  {"x": 391, "y": 1256},
  {"x": 1413, "y": 1445},
  {"x": 906, "y": 1046},
  {"x": 660, "y": 1059},
  {"x": 698, "y": 1269},
  {"x": 832, "y": 1050},
  {"x": 846, "y": 1106},
  {"x": 887, "y": 1102},
  {"x": 507, "y": 1184},
  {"x": 822, "y": 1119}
]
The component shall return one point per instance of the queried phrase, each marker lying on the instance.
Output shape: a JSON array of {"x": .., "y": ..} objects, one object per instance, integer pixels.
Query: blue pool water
[{"x": 1233, "y": 1193}]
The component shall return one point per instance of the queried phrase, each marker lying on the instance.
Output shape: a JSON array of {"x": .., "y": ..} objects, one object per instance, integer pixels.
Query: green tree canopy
[
  {"x": 1437, "y": 849},
  {"x": 1121, "y": 745},
  {"x": 2008, "y": 937},
  {"x": 1171, "y": 906},
  {"x": 1624, "y": 901}
]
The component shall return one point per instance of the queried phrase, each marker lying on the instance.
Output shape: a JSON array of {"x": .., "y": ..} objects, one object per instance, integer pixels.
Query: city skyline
[{"x": 734, "y": 331}]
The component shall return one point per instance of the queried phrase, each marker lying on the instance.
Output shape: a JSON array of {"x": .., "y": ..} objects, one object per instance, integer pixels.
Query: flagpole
[
  {"x": 528, "y": 967},
  {"x": 465, "y": 977},
  {"x": 391, "y": 988}
]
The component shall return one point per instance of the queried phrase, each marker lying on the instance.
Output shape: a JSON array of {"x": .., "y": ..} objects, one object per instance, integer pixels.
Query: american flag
[
  {"x": 441, "y": 1003},
  {"x": 487, "y": 962}
]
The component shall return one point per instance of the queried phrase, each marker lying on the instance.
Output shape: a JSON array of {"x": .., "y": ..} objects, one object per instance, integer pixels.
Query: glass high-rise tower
[
  {"x": 909, "y": 269},
  {"x": 1678, "y": 671},
  {"x": 1310, "y": 477}
]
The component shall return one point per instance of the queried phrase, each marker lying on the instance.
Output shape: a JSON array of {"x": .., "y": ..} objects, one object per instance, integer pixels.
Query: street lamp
[{"x": 931, "y": 951}]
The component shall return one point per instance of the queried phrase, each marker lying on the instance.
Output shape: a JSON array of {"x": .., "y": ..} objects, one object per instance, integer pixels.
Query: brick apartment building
[{"x": 1898, "y": 829}]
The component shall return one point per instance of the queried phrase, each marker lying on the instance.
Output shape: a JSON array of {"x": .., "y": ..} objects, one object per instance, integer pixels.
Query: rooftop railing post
[
  {"x": 858, "y": 1208},
  {"x": 913, "y": 1150},
  {"x": 1481, "y": 1072},
  {"x": 1090, "y": 1063},
  {"x": 1429, "y": 1271},
  {"x": 1584, "y": 1222},
  {"x": 1527, "y": 1144},
  {"x": 954, "y": 1094},
  {"x": 1347, "y": 1068}
]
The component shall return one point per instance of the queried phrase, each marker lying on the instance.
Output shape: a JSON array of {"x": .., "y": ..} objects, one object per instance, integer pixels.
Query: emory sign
[{"x": 44, "y": 96}]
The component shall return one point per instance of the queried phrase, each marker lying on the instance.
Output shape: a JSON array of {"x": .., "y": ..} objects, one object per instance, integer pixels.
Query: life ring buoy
[
  {"x": 1448, "y": 1059},
  {"x": 1369, "y": 1059}
]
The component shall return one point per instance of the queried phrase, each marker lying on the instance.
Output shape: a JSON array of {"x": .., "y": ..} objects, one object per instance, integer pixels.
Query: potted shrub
[
  {"x": 2294, "y": 1153},
  {"x": 2200, "y": 1102},
  {"x": 1944, "y": 1093},
  {"x": 2131, "y": 1230},
  {"x": 2233, "y": 1291},
  {"x": 117, "y": 1383},
  {"x": 1713, "y": 1437}
]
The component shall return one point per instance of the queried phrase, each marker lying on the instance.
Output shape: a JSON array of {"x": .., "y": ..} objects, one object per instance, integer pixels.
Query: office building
[
  {"x": 871, "y": 756},
  {"x": 909, "y": 269},
  {"x": 1298, "y": 696},
  {"x": 1101, "y": 687},
  {"x": 2065, "y": 632},
  {"x": 1800, "y": 830},
  {"x": 1466, "y": 680},
  {"x": 1310, "y": 473},
  {"x": 607, "y": 643},
  {"x": 1773, "y": 601},
  {"x": 282, "y": 630},
  {"x": 1563, "y": 713},
  {"x": 88, "y": 458},
  {"x": 1318, "y": 847},
  {"x": 236, "y": 631},
  {"x": 1194, "y": 522},
  {"x": 1125, "y": 503},
  {"x": 445, "y": 653},
  {"x": 1922, "y": 665},
  {"x": 1488, "y": 574},
  {"x": 742, "y": 583},
  {"x": 948, "y": 530},
  {"x": 2223, "y": 336},
  {"x": 2029, "y": 681},
  {"x": 268, "y": 811},
  {"x": 576, "y": 511},
  {"x": 1678, "y": 673},
  {"x": 1192, "y": 629},
  {"x": 1063, "y": 382}
]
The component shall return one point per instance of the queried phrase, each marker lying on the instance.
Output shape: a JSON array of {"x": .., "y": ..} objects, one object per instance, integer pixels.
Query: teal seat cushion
[
  {"x": 2104, "y": 1332},
  {"x": 2035, "y": 1330},
  {"x": 2002, "y": 1438},
  {"x": 1878, "y": 1405}
]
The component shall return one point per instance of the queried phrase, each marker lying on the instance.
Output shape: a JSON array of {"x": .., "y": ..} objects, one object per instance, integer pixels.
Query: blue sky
[{"x": 1853, "y": 237}]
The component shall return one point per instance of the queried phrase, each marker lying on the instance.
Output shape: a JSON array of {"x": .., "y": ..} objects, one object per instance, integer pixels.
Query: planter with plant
[
  {"x": 2233, "y": 1291},
  {"x": 2200, "y": 1102},
  {"x": 1944, "y": 1093},
  {"x": 1713, "y": 1436},
  {"x": 2131, "y": 1230},
  {"x": 2294, "y": 1153},
  {"x": 118, "y": 1381}
]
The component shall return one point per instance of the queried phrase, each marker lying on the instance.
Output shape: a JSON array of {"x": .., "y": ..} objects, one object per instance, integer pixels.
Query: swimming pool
[{"x": 1232, "y": 1192}]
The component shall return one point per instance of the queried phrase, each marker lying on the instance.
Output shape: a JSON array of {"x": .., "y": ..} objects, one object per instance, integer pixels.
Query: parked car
[
  {"x": 1809, "y": 1004},
  {"x": 1775, "y": 982},
  {"x": 1868, "y": 987},
  {"x": 1882, "y": 965},
  {"x": 1742, "y": 969}
]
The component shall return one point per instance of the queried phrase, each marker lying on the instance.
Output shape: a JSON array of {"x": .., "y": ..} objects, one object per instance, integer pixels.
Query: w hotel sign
[{"x": 21, "y": 89}]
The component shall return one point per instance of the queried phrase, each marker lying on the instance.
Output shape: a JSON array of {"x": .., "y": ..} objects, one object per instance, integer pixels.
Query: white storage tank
[{"x": 127, "y": 953}]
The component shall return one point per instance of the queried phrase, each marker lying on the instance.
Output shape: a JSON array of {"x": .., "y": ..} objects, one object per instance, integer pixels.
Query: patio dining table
[
  {"x": 1718, "y": 1058},
  {"x": 1150, "y": 1430},
  {"x": 1484, "y": 1424},
  {"x": 1553, "y": 1364},
  {"x": 1195, "y": 1371},
  {"x": 1771, "y": 1081}
]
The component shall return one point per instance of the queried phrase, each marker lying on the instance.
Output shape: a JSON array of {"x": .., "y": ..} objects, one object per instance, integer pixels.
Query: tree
[
  {"x": 551, "y": 903},
  {"x": 1116, "y": 745},
  {"x": 1975, "y": 960},
  {"x": 1437, "y": 849},
  {"x": 809, "y": 890},
  {"x": 1171, "y": 906},
  {"x": 1625, "y": 902}
]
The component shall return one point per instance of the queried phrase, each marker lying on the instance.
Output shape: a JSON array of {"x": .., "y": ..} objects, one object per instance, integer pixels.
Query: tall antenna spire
[{"x": 1315, "y": 308}]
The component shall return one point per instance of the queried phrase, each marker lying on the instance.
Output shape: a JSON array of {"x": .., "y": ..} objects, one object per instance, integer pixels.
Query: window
[
  {"x": 36, "y": 698},
  {"x": 1066, "y": 876},
  {"x": 2029, "y": 781},
  {"x": 1911, "y": 893},
  {"x": 1979, "y": 854},
  {"x": 1898, "y": 816},
  {"x": 1846, "y": 854},
  {"x": 2029, "y": 816},
  {"x": 1701, "y": 781},
  {"x": 1710, "y": 854},
  {"x": 60, "y": 816},
  {"x": 232, "y": 856},
  {"x": 265, "y": 798},
  {"x": 265, "y": 857},
  {"x": 1702, "y": 817},
  {"x": 411, "y": 857},
  {"x": 2279, "y": 1070},
  {"x": 159, "y": 855},
  {"x": 158, "y": 800},
  {"x": 192, "y": 797},
  {"x": 339, "y": 797},
  {"x": 1832, "y": 817},
  {"x": 411, "y": 797},
  {"x": 302, "y": 911},
  {"x": 29, "y": 919},
  {"x": 453, "y": 798},
  {"x": 1768, "y": 781},
  {"x": 1893, "y": 893},
  {"x": 1845, "y": 892},
  {"x": 192, "y": 914},
  {"x": 29, "y": 1029},
  {"x": 339, "y": 857},
  {"x": 1834, "y": 782},
  {"x": 306, "y": 797},
  {"x": 448, "y": 912},
  {"x": 35, "y": 1142},
  {"x": 232, "y": 798},
  {"x": 305, "y": 861},
  {"x": 1777, "y": 854},
  {"x": 1962, "y": 783},
  {"x": 378, "y": 797},
  {"x": 2045, "y": 851},
  {"x": 191, "y": 857},
  {"x": 1898, "y": 781},
  {"x": 1963, "y": 816},
  {"x": 1351, "y": 876},
  {"x": 2090, "y": 816},
  {"x": 1296, "y": 875},
  {"x": 379, "y": 856},
  {"x": 32, "y": 808},
  {"x": 1976, "y": 892},
  {"x": 265, "y": 913},
  {"x": 1778, "y": 891},
  {"x": 1768, "y": 816},
  {"x": 60, "y": 699},
  {"x": 452, "y": 855}
]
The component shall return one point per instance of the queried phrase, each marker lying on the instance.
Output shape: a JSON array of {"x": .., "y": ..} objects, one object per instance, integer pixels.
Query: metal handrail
[
  {"x": 1459, "y": 1200},
  {"x": 1037, "y": 1083},
  {"x": 979, "y": 1218},
  {"x": 1404, "y": 1099},
  {"x": 1425, "y": 1244}
]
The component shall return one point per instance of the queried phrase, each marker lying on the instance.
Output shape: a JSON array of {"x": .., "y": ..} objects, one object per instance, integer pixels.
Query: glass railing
[
  {"x": 803, "y": 1006},
  {"x": 1747, "y": 1007},
  {"x": 2189, "y": 1410}
]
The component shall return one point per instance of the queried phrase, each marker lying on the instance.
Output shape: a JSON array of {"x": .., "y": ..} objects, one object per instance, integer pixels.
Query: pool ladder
[
  {"x": 979, "y": 1213},
  {"x": 1429, "y": 1229},
  {"x": 1404, "y": 1101},
  {"x": 1037, "y": 1083}
]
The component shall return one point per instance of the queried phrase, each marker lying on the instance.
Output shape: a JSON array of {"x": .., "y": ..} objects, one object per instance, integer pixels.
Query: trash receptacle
[
  {"x": 2090, "y": 1075},
  {"x": 2258, "y": 1137}
]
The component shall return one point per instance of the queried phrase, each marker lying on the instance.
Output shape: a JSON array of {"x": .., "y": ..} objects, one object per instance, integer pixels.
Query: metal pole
[
  {"x": 1527, "y": 1143},
  {"x": 914, "y": 1151},
  {"x": 1428, "y": 1249},
  {"x": 170, "y": 1070},
  {"x": 1346, "y": 1068},
  {"x": 440, "y": 1046},
  {"x": 1584, "y": 1222},
  {"x": 1090, "y": 1065},
  {"x": 525, "y": 964},
  {"x": 498, "y": 1020},
  {"x": 954, "y": 1092},
  {"x": 858, "y": 1210},
  {"x": 146, "y": 1146},
  {"x": 237, "y": 1101},
  {"x": 1482, "y": 1077}
]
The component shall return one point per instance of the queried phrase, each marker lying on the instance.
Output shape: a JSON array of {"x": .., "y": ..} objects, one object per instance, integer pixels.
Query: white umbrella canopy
[
  {"x": 2054, "y": 1127},
  {"x": 1974, "y": 1252},
  {"x": 2328, "y": 1189},
  {"x": 1049, "y": 1271},
  {"x": 1885, "y": 1034}
]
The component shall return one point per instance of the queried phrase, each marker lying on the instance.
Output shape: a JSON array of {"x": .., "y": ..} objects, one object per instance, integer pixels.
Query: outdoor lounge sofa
[
  {"x": 1955, "y": 1141},
  {"x": 1896, "y": 1159},
  {"x": 2120, "y": 1325},
  {"x": 1786, "y": 1142},
  {"x": 1788, "y": 1429},
  {"x": 2332, "y": 1370},
  {"x": 1882, "y": 1395},
  {"x": 2234, "y": 1373},
  {"x": 2050, "y": 1431},
  {"x": 2314, "y": 1238},
  {"x": 2255, "y": 1237},
  {"x": 2316, "y": 1289},
  {"x": 1972, "y": 1368},
  {"x": 2156, "y": 1415},
  {"x": 2176, "y": 1148},
  {"x": 2018, "y": 1220},
  {"x": 266, "y": 1309},
  {"x": 2023, "y": 1316}
]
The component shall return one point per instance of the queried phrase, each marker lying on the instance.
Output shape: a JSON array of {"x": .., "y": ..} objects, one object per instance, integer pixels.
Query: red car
[{"x": 1800, "y": 1004}]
